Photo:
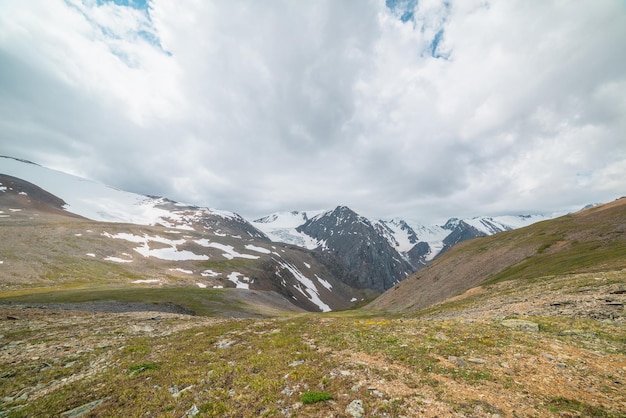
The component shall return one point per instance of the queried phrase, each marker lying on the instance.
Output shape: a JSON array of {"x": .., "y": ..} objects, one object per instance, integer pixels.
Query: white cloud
[{"x": 468, "y": 108}]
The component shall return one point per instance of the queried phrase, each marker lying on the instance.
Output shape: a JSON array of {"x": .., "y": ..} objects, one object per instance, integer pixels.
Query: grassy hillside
[{"x": 593, "y": 240}]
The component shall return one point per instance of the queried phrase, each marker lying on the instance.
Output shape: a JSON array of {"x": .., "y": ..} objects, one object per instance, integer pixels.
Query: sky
[{"x": 418, "y": 109}]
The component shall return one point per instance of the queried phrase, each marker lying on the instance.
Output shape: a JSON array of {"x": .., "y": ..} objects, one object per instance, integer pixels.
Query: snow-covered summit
[
  {"x": 493, "y": 225},
  {"x": 282, "y": 227}
]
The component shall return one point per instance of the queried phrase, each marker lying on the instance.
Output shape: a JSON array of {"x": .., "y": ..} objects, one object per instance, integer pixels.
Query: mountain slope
[
  {"x": 590, "y": 240},
  {"x": 350, "y": 239},
  {"x": 102, "y": 203},
  {"x": 147, "y": 241}
]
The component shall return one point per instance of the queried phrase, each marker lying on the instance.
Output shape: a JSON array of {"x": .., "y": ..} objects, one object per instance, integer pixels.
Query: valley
[{"x": 149, "y": 307}]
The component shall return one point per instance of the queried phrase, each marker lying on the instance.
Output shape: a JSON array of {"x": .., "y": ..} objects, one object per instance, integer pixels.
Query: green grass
[
  {"x": 564, "y": 405},
  {"x": 200, "y": 301},
  {"x": 314, "y": 397},
  {"x": 267, "y": 367},
  {"x": 579, "y": 258},
  {"x": 142, "y": 367}
]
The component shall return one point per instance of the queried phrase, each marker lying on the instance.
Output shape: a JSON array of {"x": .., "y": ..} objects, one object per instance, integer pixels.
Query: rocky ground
[
  {"x": 598, "y": 296},
  {"x": 466, "y": 359}
]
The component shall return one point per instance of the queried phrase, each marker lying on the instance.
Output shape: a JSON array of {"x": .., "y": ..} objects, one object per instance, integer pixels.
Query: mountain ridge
[
  {"x": 588, "y": 240},
  {"x": 415, "y": 243}
]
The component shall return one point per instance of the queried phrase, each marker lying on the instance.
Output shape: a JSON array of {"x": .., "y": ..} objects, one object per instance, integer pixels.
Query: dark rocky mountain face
[
  {"x": 17, "y": 187},
  {"x": 417, "y": 255},
  {"x": 461, "y": 231},
  {"x": 352, "y": 244}
]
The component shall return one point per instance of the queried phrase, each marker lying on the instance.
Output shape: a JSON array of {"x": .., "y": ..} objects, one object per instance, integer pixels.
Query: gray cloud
[{"x": 430, "y": 110}]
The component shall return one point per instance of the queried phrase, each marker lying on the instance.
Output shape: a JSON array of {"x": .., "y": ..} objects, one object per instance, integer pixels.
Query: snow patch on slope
[
  {"x": 170, "y": 253},
  {"x": 240, "y": 283},
  {"x": 306, "y": 286},
  {"x": 228, "y": 250}
]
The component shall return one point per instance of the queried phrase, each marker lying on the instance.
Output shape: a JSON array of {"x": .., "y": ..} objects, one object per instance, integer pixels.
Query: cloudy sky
[{"x": 420, "y": 109}]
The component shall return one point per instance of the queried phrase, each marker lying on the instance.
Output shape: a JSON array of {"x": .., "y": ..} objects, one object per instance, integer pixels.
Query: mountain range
[
  {"x": 385, "y": 251},
  {"x": 316, "y": 260}
]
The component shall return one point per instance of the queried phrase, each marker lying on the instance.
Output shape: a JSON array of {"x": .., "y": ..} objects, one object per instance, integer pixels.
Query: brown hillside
[{"x": 591, "y": 240}]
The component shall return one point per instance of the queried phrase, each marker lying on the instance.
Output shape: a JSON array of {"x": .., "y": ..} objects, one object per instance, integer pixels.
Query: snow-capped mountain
[
  {"x": 412, "y": 242},
  {"x": 328, "y": 258},
  {"x": 351, "y": 243},
  {"x": 368, "y": 259},
  {"x": 153, "y": 240}
]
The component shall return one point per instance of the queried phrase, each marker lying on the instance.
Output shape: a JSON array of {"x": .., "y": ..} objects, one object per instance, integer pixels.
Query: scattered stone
[
  {"x": 296, "y": 363},
  {"x": 441, "y": 336},
  {"x": 457, "y": 360},
  {"x": 176, "y": 393},
  {"x": 157, "y": 318},
  {"x": 84, "y": 409},
  {"x": 225, "y": 344},
  {"x": 576, "y": 333},
  {"x": 521, "y": 325},
  {"x": 287, "y": 391},
  {"x": 377, "y": 393},
  {"x": 548, "y": 356},
  {"x": 618, "y": 289},
  {"x": 355, "y": 409},
  {"x": 13, "y": 317},
  {"x": 137, "y": 329},
  {"x": 193, "y": 411},
  {"x": 476, "y": 360}
]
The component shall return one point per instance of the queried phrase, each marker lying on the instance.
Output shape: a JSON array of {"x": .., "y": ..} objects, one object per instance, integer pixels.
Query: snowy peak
[
  {"x": 282, "y": 227},
  {"x": 493, "y": 225},
  {"x": 399, "y": 234},
  {"x": 284, "y": 219},
  {"x": 355, "y": 244},
  {"x": 451, "y": 224}
]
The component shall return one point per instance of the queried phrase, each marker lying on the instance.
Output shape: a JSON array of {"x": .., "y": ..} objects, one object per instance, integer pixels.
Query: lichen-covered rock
[{"x": 521, "y": 324}]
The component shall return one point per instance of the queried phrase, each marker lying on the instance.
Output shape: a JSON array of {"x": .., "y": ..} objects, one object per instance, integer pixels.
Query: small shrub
[
  {"x": 313, "y": 397},
  {"x": 142, "y": 367}
]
